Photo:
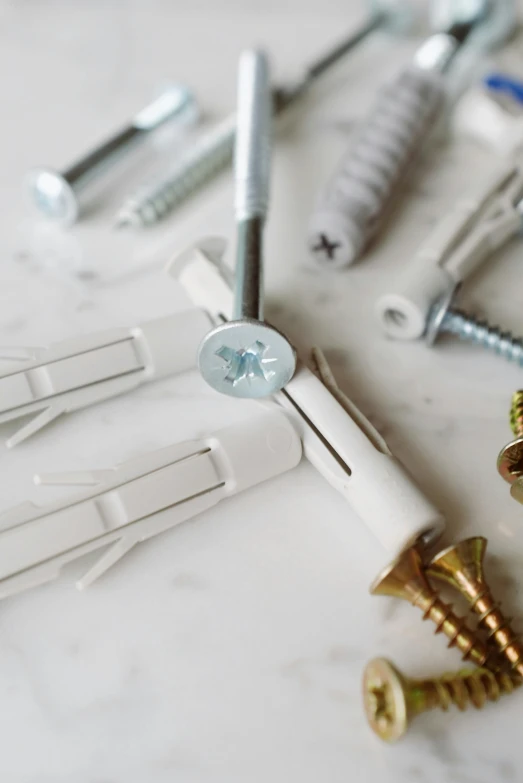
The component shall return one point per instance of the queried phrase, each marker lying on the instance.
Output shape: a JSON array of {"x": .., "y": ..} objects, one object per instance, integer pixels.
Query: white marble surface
[{"x": 231, "y": 649}]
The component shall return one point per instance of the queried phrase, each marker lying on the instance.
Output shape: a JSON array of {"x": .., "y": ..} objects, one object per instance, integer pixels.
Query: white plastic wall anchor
[
  {"x": 337, "y": 438},
  {"x": 480, "y": 117},
  {"x": 82, "y": 371},
  {"x": 351, "y": 205},
  {"x": 478, "y": 224},
  {"x": 121, "y": 507}
]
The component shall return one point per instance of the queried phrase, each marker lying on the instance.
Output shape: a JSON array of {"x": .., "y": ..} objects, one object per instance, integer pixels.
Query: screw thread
[
  {"x": 453, "y": 627},
  {"x": 472, "y": 329},
  {"x": 463, "y": 689},
  {"x": 252, "y": 163},
  {"x": 516, "y": 414},
  {"x": 491, "y": 618},
  {"x": 392, "y": 700},
  {"x": 203, "y": 162}
]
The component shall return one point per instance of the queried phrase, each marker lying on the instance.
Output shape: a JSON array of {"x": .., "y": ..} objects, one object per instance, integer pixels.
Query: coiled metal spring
[{"x": 349, "y": 208}]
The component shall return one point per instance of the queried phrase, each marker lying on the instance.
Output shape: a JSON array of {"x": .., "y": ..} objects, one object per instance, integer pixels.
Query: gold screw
[
  {"x": 516, "y": 414},
  {"x": 510, "y": 460},
  {"x": 405, "y": 579},
  {"x": 393, "y": 700},
  {"x": 461, "y": 566}
]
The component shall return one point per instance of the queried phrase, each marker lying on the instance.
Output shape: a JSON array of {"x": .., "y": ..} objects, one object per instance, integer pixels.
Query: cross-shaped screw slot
[
  {"x": 326, "y": 246},
  {"x": 246, "y": 363}
]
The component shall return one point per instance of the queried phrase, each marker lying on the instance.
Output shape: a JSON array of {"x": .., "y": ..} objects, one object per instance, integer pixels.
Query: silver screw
[
  {"x": 246, "y": 357},
  {"x": 56, "y": 193},
  {"x": 444, "y": 318},
  {"x": 213, "y": 153}
]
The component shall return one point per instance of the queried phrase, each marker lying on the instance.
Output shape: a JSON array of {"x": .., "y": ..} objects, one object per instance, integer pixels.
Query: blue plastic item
[{"x": 501, "y": 82}]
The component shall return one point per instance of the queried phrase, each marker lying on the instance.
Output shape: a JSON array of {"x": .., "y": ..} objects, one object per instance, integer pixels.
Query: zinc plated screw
[
  {"x": 461, "y": 566},
  {"x": 405, "y": 579},
  {"x": 246, "y": 357},
  {"x": 510, "y": 460},
  {"x": 392, "y": 700},
  {"x": 214, "y": 151},
  {"x": 56, "y": 193},
  {"x": 445, "y": 318}
]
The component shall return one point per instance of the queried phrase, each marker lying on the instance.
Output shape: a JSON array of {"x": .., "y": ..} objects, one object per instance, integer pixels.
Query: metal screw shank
[
  {"x": 444, "y": 318},
  {"x": 246, "y": 357},
  {"x": 461, "y": 566},
  {"x": 55, "y": 193},
  {"x": 213, "y": 153},
  {"x": 251, "y": 174},
  {"x": 392, "y": 700},
  {"x": 405, "y": 579}
]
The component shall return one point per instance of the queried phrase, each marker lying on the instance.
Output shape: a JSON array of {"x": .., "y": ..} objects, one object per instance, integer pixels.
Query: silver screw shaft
[
  {"x": 246, "y": 357},
  {"x": 55, "y": 193},
  {"x": 467, "y": 327},
  {"x": 444, "y": 318},
  {"x": 252, "y": 173},
  {"x": 213, "y": 153}
]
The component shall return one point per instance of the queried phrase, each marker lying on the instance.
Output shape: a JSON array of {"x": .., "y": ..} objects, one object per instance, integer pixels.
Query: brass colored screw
[
  {"x": 405, "y": 579},
  {"x": 393, "y": 700},
  {"x": 510, "y": 460},
  {"x": 461, "y": 566}
]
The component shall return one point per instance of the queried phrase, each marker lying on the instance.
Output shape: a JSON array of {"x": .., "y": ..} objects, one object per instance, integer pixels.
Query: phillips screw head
[{"x": 246, "y": 358}]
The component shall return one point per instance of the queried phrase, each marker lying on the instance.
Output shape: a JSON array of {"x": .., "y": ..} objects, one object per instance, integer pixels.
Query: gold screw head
[
  {"x": 460, "y": 565},
  {"x": 403, "y": 578},
  {"x": 510, "y": 461},
  {"x": 384, "y": 698}
]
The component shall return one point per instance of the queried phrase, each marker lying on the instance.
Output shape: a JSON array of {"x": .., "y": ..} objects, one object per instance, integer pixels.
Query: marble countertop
[{"x": 230, "y": 649}]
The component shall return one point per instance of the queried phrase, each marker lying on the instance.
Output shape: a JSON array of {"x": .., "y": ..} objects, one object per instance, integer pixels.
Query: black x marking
[{"x": 325, "y": 246}]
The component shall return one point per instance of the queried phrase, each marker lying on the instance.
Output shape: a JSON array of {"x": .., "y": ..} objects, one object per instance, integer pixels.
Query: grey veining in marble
[{"x": 230, "y": 650}]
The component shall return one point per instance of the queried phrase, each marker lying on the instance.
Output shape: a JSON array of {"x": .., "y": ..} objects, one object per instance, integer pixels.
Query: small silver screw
[
  {"x": 444, "y": 318},
  {"x": 55, "y": 193},
  {"x": 246, "y": 357}
]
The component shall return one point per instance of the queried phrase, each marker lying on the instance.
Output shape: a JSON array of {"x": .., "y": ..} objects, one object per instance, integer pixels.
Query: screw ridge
[
  {"x": 461, "y": 566},
  {"x": 454, "y": 628},
  {"x": 492, "y": 619},
  {"x": 392, "y": 700},
  {"x": 471, "y": 687},
  {"x": 516, "y": 414},
  {"x": 405, "y": 579},
  {"x": 203, "y": 162},
  {"x": 476, "y": 330}
]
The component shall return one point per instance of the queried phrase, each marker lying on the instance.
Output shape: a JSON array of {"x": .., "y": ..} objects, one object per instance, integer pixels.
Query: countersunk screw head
[
  {"x": 510, "y": 461},
  {"x": 53, "y": 195},
  {"x": 384, "y": 698},
  {"x": 405, "y": 579},
  {"x": 392, "y": 700},
  {"x": 246, "y": 359}
]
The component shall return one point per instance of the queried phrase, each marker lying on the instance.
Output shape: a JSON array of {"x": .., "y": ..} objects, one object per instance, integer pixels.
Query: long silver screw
[
  {"x": 245, "y": 357},
  {"x": 445, "y": 318},
  {"x": 56, "y": 193},
  {"x": 213, "y": 153}
]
